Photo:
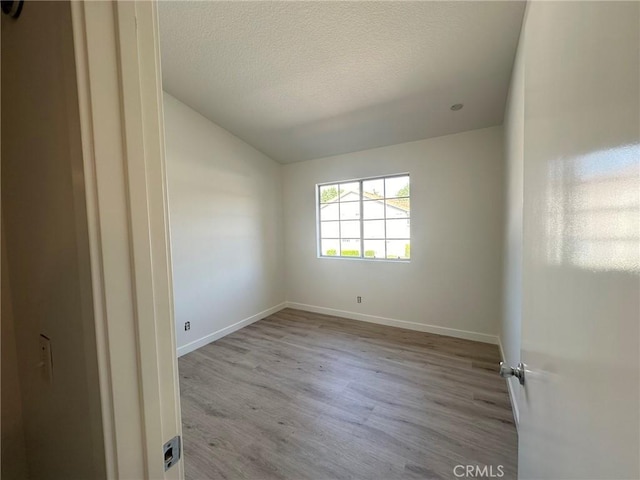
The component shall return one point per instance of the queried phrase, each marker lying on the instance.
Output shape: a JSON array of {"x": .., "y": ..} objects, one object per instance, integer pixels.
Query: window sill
[{"x": 363, "y": 259}]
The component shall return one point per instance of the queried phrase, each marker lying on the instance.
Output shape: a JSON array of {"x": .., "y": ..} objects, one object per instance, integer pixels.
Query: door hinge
[{"x": 171, "y": 452}]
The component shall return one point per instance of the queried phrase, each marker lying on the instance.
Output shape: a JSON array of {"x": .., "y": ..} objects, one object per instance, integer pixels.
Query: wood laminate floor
[{"x": 300, "y": 395}]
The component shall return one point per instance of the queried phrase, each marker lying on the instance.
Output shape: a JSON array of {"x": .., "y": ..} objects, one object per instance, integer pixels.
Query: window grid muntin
[
  {"x": 384, "y": 212},
  {"x": 361, "y": 220}
]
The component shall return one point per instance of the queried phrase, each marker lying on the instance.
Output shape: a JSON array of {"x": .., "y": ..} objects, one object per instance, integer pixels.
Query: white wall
[
  {"x": 225, "y": 203},
  {"x": 512, "y": 275},
  {"x": 13, "y": 453},
  {"x": 452, "y": 285},
  {"x": 46, "y": 240},
  {"x": 13, "y": 457}
]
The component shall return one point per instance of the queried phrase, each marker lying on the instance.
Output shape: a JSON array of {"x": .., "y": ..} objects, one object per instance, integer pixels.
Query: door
[{"x": 580, "y": 325}]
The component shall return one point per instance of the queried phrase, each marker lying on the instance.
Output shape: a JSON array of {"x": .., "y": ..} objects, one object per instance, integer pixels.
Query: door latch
[
  {"x": 518, "y": 372},
  {"x": 171, "y": 452}
]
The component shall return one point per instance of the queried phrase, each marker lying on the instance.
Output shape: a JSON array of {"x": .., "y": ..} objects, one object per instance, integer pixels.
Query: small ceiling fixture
[{"x": 457, "y": 106}]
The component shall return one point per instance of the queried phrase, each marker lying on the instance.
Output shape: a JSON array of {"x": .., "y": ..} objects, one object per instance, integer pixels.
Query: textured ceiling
[{"x": 302, "y": 80}]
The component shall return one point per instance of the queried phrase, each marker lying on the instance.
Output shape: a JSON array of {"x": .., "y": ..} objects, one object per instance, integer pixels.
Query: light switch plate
[{"x": 46, "y": 359}]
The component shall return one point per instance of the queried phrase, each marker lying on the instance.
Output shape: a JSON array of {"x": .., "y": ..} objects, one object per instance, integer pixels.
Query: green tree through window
[
  {"x": 329, "y": 194},
  {"x": 404, "y": 191}
]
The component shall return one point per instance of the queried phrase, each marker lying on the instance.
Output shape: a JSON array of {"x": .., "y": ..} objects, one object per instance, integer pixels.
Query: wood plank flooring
[{"x": 300, "y": 395}]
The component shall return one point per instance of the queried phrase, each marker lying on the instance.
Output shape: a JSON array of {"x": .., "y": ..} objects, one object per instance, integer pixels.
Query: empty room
[
  {"x": 335, "y": 186},
  {"x": 378, "y": 240}
]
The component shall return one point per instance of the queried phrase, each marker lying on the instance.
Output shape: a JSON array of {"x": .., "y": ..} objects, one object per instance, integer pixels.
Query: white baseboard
[
  {"x": 212, "y": 337},
  {"x": 392, "y": 322},
  {"x": 512, "y": 393}
]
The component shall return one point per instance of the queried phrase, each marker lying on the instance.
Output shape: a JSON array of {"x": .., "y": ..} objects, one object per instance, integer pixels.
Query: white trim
[
  {"x": 512, "y": 393},
  {"x": 392, "y": 322},
  {"x": 367, "y": 259},
  {"x": 86, "y": 114},
  {"x": 223, "y": 332},
  {"x": 123, "y": 153},
  {"x": 99, "y": 93}
]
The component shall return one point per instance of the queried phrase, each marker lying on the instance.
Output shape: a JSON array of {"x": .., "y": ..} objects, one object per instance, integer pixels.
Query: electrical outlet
[
  {"x": 46, "y": 359},
  {"x": 187, "y": 326},
  {"x": 359, "y": 299}
]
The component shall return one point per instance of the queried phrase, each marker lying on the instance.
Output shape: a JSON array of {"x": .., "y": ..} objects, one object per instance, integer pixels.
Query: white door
[{"x": 580, "y": 411}]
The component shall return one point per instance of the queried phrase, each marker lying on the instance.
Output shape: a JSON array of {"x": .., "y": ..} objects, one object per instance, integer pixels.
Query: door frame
[{"x": 120, "y": 99}]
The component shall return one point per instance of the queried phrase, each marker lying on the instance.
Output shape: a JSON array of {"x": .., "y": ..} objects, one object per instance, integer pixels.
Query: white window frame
[{"x": 360, "y": 219}]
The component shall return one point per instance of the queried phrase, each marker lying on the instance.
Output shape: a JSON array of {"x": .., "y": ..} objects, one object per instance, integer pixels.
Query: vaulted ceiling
[{"x": 302, "y": 80}]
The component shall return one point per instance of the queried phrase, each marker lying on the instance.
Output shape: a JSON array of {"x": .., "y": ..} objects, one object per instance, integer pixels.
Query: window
[{"x": 368, "y": 218}]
